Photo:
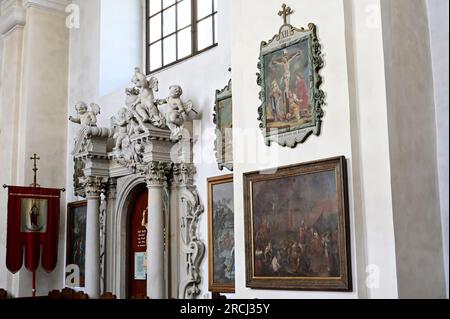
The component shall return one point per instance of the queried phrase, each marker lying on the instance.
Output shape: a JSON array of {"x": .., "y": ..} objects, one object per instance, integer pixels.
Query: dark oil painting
[
  {"x": 76, "y": 237},
  {"x": 297, "y": 227}
]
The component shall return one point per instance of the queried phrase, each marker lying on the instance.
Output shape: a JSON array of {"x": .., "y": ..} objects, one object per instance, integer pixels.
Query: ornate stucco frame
[{"x": 287, "y": 37}]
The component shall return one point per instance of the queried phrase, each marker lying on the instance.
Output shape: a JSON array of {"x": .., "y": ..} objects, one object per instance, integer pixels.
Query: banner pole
[
  {"x": 33, "y": 289},
  {"x": 35, "y": 185}
]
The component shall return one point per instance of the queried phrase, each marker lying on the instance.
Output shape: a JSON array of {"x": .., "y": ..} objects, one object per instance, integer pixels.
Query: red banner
[{"x": 33, "y": 227}]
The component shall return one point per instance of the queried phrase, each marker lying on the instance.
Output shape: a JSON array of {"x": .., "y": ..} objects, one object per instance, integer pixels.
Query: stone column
[
  {"x": 156, "y": 175},
  {"x": 93, "y": 187}
]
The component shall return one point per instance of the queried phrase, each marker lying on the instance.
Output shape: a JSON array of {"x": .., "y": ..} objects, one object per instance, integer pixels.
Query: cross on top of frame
[{"x": 287, "y": 11}]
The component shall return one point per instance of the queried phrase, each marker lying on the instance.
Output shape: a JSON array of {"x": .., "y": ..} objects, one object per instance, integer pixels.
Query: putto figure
[
  {"x": 85, "y": 116},
  {"x": 145, "y": 105},
  {"x": 175, "y": 117}
]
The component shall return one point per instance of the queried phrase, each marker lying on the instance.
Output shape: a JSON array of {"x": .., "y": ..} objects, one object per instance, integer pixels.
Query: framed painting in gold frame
[
  {"x": 221, "y": 234},
  {"x": 297, "y": 227}
]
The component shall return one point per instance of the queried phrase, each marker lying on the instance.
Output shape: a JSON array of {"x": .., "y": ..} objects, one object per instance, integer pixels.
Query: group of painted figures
[
  {"x": 141, "y": 112},
  {"x": 308, "y": 251},
  {"x": 286, "y": 104}
]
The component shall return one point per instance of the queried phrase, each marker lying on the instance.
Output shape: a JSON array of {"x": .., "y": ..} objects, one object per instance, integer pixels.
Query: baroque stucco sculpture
[
  {"x": 85, "y": 116},
  {"x": 178, "y": 110},
  {"x": 141, "y": 114},
  {"x": 143, "y": 145},
  {"x": 145, "y": 105}
]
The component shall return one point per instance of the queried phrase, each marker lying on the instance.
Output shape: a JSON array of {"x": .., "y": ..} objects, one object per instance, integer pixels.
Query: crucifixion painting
[{"x": 292, "y": 100}]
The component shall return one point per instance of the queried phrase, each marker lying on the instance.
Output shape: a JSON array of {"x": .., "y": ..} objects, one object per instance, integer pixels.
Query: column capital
[
  {"x": 13, "y": 12},
  {"x": 12, "y": 15},
  {"x": 93, "y": 185},
  {"x": 57, "y": 5},
  {"x": 183, "y": 174},
  {"x": 156, "y": 173}
]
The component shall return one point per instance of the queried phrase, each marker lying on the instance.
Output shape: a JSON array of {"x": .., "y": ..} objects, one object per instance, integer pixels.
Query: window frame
[{"x": 194, "y": 34}]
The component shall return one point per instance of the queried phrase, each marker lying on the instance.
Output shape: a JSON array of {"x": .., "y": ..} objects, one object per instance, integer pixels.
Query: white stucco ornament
[
  {"x": 145, "y": 107},
  {"x": 178, "y": 110},
  {"x": 86, "y": 116},
  {"x": 141, "y": 116},
  {"x": 123, "y": 126},
  {"x": 144, "y": 146}
]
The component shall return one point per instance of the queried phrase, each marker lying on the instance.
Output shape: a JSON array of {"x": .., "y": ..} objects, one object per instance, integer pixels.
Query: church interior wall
[
  {"x": 94, "y": 62},
  {"x": 250, "y": 152},
  {"x": 413, "y": 152},
  {"x": 439, "y": 34},
  {"x": 33, "y": 101},
  {"x": 12, "y": 49}
]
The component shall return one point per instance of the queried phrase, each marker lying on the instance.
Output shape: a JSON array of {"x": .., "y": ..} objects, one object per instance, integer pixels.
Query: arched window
[{"x": 178, "y": 29}]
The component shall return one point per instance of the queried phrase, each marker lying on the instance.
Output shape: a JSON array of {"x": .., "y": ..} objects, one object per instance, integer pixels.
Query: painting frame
[
  {"x": 300, "y": 117},
  {"x": 213, "y": 285},
  {"x": 341, "y": 283},
  {"x": 221, "y": 149},
  {"x": 71, "y": 209}
]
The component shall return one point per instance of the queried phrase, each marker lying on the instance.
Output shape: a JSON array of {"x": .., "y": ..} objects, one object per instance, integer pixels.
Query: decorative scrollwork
[{"x": 192, "y": 246}]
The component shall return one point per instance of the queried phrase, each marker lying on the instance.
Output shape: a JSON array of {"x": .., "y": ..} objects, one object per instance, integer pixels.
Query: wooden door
[{"x": 137, "y": 246}]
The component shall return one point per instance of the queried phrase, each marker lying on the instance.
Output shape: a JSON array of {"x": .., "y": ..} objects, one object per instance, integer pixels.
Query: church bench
[{"x": 3, "y": 294}]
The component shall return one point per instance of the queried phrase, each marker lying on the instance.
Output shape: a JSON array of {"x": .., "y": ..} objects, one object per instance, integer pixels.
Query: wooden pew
[
  {"x": 108, "y": 295},
  {"x": 140, "y": 297},
  {"x": 3, "y": 294}
]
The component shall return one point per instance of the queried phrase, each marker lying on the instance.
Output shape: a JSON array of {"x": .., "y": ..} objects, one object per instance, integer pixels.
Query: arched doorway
[{"x": 137, "y": 244}]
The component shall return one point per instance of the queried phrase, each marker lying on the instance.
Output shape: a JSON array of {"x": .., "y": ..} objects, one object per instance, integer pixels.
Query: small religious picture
[
  {"x": 34, "y": 215},
  {"x": 76, "y": 237},
  {"x": 290, "y": 83},
  {"x": 223, "y": 118},
  {"x": 297, "y": 228},
  {"x": 140, "y": 266},
  {"x": 221, "y": 234}
]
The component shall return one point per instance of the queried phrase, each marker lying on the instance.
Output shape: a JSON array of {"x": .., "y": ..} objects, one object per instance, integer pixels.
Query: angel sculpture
[
  {"x": 120, "y": 127},
  {"x": 145, "y": 105},
  {"x": 175, "y": 117},
  {"x": 136, "y": 121},
  {"x": 86, "y": 117},
  {"x": 124, "y": 126}
]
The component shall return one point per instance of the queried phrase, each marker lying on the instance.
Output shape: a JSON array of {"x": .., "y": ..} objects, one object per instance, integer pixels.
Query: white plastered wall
[
  {"x": 33, "y": 113},
  {"x": 438, "y": 16},
  {"x": 354, "y": 84}
]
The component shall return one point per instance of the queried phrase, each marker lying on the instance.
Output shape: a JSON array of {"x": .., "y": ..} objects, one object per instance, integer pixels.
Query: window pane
[
  {"x": 155, "y": 6},
  {"x": 204, "y": 8},
  {"x": 167, "y": 3},
  {"x": 184, "y": 14},
  {"x": 205, "y": 33},
  {"x": 155, "y": 56},
  {"x": 169, "y": 21},
  {"x": 184, "y": 43},
  {"x": 155, "y": 28},
  {"x": 170, "y": 50}
]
